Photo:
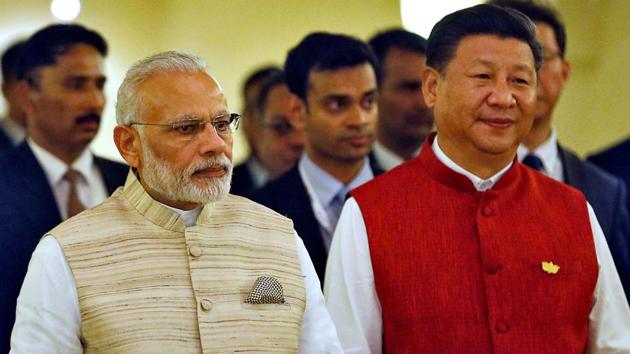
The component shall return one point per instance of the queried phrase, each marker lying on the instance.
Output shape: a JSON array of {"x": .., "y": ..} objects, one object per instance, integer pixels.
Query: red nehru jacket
[{"x": 462, "y": 271}]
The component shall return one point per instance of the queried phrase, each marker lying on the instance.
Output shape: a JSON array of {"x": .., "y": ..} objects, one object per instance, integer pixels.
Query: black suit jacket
[
  {"x": 288, "y": 196},
  {"x": 5, "y": 143},
  {"x": 242, "y": 180},
  {"x": 27, "y": 211},
  {"x": 615, "y": 160},
  {"x": 607, "y": 195}
]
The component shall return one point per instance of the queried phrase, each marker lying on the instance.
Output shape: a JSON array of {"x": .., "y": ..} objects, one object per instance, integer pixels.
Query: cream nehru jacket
[{"x": 146, "y": 283}]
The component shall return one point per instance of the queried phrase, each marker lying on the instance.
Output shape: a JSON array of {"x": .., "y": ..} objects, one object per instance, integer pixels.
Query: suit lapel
[
  {"x": 114, "y": 174},
  {"x": 101, "y": 164},
  {"x": 299, "y": 203},
  {"x": 31, "y": 191},
  {"x": 374, "y": 165},
  {"x": 5, "y": 142},
  {"x": 242, "y": 180},
  {"x": 571, "y": 168}
]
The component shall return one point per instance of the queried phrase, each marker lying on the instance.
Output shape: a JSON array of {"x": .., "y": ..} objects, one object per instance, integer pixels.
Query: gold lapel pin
[{"x": 550, "y": 268}]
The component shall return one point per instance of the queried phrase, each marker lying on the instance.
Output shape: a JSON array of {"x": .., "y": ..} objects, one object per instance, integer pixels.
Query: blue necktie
[
  {"x": 335, "y": 206},
  {"x": 534, "y": 162}
]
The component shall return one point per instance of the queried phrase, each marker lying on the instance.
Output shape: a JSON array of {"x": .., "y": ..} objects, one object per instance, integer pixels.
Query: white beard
[{"x": 177, "y": 185}]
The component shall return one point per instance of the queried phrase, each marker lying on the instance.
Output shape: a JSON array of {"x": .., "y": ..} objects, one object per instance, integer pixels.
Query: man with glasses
[
  {"x": 251, "y": 174},
  {"x": 172, "y": 262},
  {"x": 540, "y": 148},
  {"x": 278, "y": 144}
]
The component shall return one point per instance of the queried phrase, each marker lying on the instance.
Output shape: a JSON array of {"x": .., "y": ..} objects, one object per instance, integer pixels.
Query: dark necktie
[
  {"x": 534, "y": 162},
  {"x": 74, "y": 203},
  {"x": 335, "y": 206}
]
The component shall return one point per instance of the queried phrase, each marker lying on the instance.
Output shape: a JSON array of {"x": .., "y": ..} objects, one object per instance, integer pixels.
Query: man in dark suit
[
  {"x": 541, "y": 150},
  {"x": 250, "y": 174},
  {"x": 335, "y": 78},
  {"x": 278, "y": 144},
  {"x": 615, "y": 160},
  {"x": 52, "y": 175},
  {"x": 404, "y": 120},
  {"x": 13, "y": 126}
]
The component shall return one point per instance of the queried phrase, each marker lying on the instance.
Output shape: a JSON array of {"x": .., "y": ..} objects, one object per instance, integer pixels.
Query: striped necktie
[{"x": 74, "y": 203}]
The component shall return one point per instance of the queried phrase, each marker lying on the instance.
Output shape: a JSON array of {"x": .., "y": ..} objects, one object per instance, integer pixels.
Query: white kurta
[
  {"x": 48, "y": 318},
  {"x": 355, "y": 308}
]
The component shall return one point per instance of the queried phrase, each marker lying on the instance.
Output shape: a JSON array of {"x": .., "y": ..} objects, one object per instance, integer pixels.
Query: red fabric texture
[{"x": 460, "y": 271}]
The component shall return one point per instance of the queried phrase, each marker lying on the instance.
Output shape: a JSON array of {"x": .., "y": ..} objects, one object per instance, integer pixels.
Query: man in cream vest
[{"x": 172, "y": 262}]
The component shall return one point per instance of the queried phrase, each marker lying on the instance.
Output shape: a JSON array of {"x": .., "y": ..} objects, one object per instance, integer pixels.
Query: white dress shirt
[
  {"x": 15, "y": 132},
  {"x": 48, "y": 318},
  {"x": 259, "y": 174},
  {"x": 322, "y": 188},
  {"x": 355, "y": 308},
  {"x": 386, "y": 158},
  {"x": 548, "y": 153},
  {"x": 91, "y": 188}
]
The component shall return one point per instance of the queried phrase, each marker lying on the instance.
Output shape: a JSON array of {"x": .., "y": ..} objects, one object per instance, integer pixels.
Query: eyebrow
[
  {"x": 336, "y": 96},
  {"x": 85, "y": 77},
  {"x": 186, "y": 116},
  {"x": 518, "y": 67},
  {"x": 523, "y": 67},
  {"x": 373, "y": 91},
  {"x": 279, "y": 118}
]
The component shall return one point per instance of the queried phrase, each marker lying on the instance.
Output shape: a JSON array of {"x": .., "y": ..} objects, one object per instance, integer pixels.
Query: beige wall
[
  {"x": 238, "y": 35},
  {"x": 595, "y": 109},
  {"x": 235, "y": 36}
]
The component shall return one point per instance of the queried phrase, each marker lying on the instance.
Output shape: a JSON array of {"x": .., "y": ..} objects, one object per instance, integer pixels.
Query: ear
[
  {"x": 5, "y": 89},
  {"x": 298, "y": 119},
  {"x": 430, "y": 85},
  {"x": 26, "y": 97},
  {"x": 566, "y": 70},
  {"x": 129, "y": 146}
]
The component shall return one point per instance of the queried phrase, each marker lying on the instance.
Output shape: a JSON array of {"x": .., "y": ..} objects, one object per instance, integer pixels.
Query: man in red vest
[{"x": 463, "y": 249}]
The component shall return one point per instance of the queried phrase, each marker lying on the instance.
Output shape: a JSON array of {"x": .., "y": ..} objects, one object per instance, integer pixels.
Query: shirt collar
[
  {"x": 385, "y": 157},
  {"x": 14, "y": 131},
  {"x": 55, "y": 168},
  {"x": 479, "y": 183},
  {"x": 325, "y": 185},
  {"x": 547, "y": 152},
  {"x": 189, "y": 216},
  {"x": 257, "y": 171}
]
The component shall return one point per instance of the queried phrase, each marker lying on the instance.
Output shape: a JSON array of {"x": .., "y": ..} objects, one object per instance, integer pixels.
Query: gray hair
[{"x": 128, "y": 101}]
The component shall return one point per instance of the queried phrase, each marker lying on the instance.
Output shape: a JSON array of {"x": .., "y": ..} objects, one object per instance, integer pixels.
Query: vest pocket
[{"x": 266, "y": 307}]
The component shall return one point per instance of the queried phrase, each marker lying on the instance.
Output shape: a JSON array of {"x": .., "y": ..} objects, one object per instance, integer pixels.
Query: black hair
[
  {"x": 43, "y": 47},
  {"x": 259, "y": 75},
  {"x": 539, "y": 12},
  {"x": 277, "y": 79},
  {"x": 321, "y": 51},
  {"x": 479, "y": 20},
  {"x": 398, "y": 38},
  {"x": 10, "y": 60}
]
